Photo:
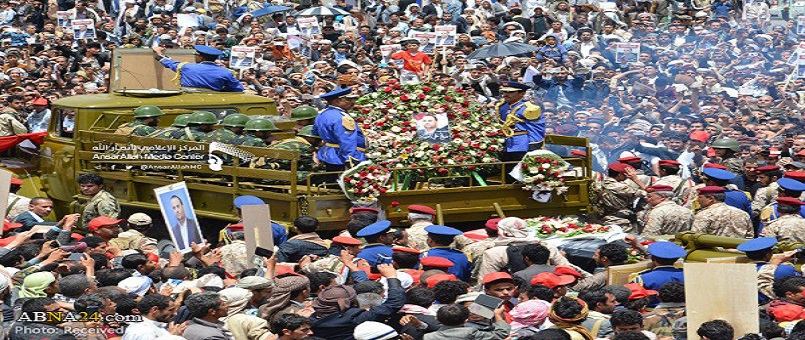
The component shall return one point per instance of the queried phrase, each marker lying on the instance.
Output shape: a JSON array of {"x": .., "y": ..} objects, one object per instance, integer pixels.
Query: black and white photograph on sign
[
  {"x": 432, "y": 128},
  {"x": 445, "y": 35},
  {"x": 84, "y": 29},
  {"x": 180, "y": 218},
  {"x": 387, "y": 50},
  {"x": 426, "y": 40},
  {"x": 241, "y": 57},
  {"x": 308, "y": 26},
  {"x": 65, "y": 18},
  {"x": 626, "y": 52}
]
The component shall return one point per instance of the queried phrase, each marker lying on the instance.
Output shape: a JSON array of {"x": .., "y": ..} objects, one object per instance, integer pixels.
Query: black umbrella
[{"x": 503, "y": 49}]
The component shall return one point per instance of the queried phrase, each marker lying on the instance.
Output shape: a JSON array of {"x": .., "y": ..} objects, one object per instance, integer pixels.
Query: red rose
[
  {"x": 367, "y": 126},
  {"x": 421, "y": 96},
  {"x": 389, "y": 105},
  {"x": 448, "y": 98},
  {"x": 387, "y": 89},
  {"x": 383, "y": 190},
  {"x": 394, "y": 204},
  {"x": 426, "y": 89},
  {"x": 442, "y": 170},
  {"x": 364, "y": 173},
  {"x": 472, "y": 167},
  {"x": 436, "y": 147},
  {"x": 404, "y": 98}
]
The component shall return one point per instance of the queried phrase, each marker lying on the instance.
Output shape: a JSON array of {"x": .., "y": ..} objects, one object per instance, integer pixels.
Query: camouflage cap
[{"x": 140, "y": 219}]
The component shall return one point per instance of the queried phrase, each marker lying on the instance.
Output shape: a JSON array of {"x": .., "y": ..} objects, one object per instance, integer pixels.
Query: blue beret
[
  {"x": 442, "y": 230},
  {"x": 378, "y": 227},
  {"x": 207, "y": 50},
  {"x": 666, "y": 250},
  {"x": 791, "y": 184},
  {"x": 337, "y": 93},
  {"x": 718, "y": 174},
  {"x": 247, "y": 200},
  {"x": 513, "y": 86},
  {"x": 757, "y": 244}
]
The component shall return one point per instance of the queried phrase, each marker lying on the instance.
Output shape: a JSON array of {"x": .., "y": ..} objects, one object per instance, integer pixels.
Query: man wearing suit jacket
[
  {"x": 433, "y": 8},
  {"x": 186, "y": 230},
  {"x": 38, "y": 209}
]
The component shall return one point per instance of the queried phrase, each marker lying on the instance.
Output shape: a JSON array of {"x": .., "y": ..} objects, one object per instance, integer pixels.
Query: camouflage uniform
[
  {"x": 233, "y": 257},
  {"x": 734, "y": 165},
  {"x": 132, "y": 239},
  {"x": 247, "y": 139},
  {"x": 661, "y": 320},
  {"x": 418, "y": 236},
  {"x": 192, "y": 134},
  {"x": 666, "y": 218},
  {"x": 786, "y": 228},
  {"x": 764, "y": 197},
  {"x": 102, "y": 204},
  {"x": 222, "y": 135},
  {"x": 305, "y": 164},
  {"x": 722, "y": 220},
  {"x": 135, "y": 128},
  {"x": 614, "y": 206},
  {"x": 164, "y": 133},
  {"x": 684, "y": 195}
]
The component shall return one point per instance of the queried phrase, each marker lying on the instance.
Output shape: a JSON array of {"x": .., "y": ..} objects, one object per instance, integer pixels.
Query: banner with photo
[
  {"x": 308, "y": 26},
  {"x": 387, "y": 50},
  {"x": 65, "y": 18},
  {"x": 84, "y": 29},
  {"x": 426, "y": 41},
  {"x": 446, "y": 35},
  {"x": 627, "y": 52},
  {"x": 180, "y": 217},
  {"x": 242, "y": 57}
]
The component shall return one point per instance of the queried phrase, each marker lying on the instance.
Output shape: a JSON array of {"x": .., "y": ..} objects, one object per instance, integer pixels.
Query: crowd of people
[{"x": 692, "y": 108}]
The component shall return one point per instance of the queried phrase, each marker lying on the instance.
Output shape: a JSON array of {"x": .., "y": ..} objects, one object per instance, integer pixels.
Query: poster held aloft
[
  {"x": 180, "y": 217},
  {"x": 446, "y": 35},
  {"x": 84, "y": 29},
  {"x": 257, "y": 230},
  {"x": 242, "y": 57},
  {"x": 65, "y": 18},
  {"x": 626, "y": 52}
]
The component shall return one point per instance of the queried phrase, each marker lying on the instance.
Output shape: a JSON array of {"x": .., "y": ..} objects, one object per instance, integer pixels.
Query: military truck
[{"x": 82, "y": 132}]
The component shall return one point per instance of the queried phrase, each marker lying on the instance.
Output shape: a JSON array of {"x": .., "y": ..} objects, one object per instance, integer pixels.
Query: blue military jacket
[
  {"x": 525, "y": 126},
  {"x": 462, "y": 268},
  {"x": 342, "y": 137},
  {"x": 370, "y": 253},
  {"x": 206, "y": 75}
]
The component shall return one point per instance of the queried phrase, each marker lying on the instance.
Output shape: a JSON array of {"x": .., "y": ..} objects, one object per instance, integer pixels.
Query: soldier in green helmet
[
  {"x": 231, "y": 127},
  {"x": 179, "y": 123},
  {"x": 199, "y": 124},
  {"x": 146, "y": 119},
  {"x": 727, "y": 149},
  {"x": 303, "y": 116},
  {"x": 257, "y": 132},
  {"x": 305, "y": 142}
]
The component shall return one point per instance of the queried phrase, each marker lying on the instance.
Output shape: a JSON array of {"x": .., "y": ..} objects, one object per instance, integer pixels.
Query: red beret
[
  {"x": 715, "y": 166},
  {"x": 415, "y": 274},
  {"x": 492, "y": 277},
  {"x": 356, "y": 210},
  {"x": 789, "y": 201},
  {"x": 712, "y": 189},
  {"x": 103, "y": 221},
  {"x": 797, "y": 175},
  {"x": 76, "y": 236},
  {"x": 578, "y": 153},
  {"x": 436, "y": 262},
  {"x": 670, "y": 162},
  {"x": 492, "y": 223},
  {"x": 16, "y": 181},
  {"x": 347, "y": 241},
  {"x": 433, "y": 280},
  {"x": 630, "y": 159},
  {"x": 660, "y": 187},
  {"x": 619, "y": 167},
  {"x": 235, "y": 227},
  {"x": 552, "y": 280},
  {"x": 39, "y": 101},
  {"x": 563, "y": 270},
  {"x": 700, "y": 136},
  {"x": 422, "y": 209},
  {"x": 767, "y": 168},
  {"x": 638, "y": 292},
  {"x": 405, "y": 250},
  {"x": 282, "y": 269}
]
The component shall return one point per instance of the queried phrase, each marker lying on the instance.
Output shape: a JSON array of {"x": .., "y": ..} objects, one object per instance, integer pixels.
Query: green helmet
[
  {"x": 202, "y": 117},
  {"x": 727, "y": 143},
  {"x": 181, "y": 120},
  {"x": 304, "y": 112},
  {"x": 260, "y": 124},
  {"x": 235, "y": 120},
  {"x": 307, "y": 131},
  {"x": 147, "y": 111}
]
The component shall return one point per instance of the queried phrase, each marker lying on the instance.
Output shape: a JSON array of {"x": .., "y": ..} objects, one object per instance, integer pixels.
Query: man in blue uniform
[
  {"x": 759, "y": 251},
  {"x": 787, "y": 187},
  {"x": 204, "y": 73},
  {"x": 378, "y": 248},
  {"x": 278, "y": 231},
  {"x": 523, "y": 123},
  {"x": 439, "y": 240},
  {"x": 735, "y": 198},
  {"x": 663, "y": 256},
  {"x": 343, "y": 138}
]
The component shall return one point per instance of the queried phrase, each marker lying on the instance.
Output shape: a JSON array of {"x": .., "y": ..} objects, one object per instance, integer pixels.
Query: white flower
[
  {"x": 396, "y": 129},
  {"x": 419, "y": 154},
  {"x": 546, "y": 166}
]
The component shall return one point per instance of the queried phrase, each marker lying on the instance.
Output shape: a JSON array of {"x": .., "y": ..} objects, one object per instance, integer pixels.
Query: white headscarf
[{"x": 513, "y": 230}]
